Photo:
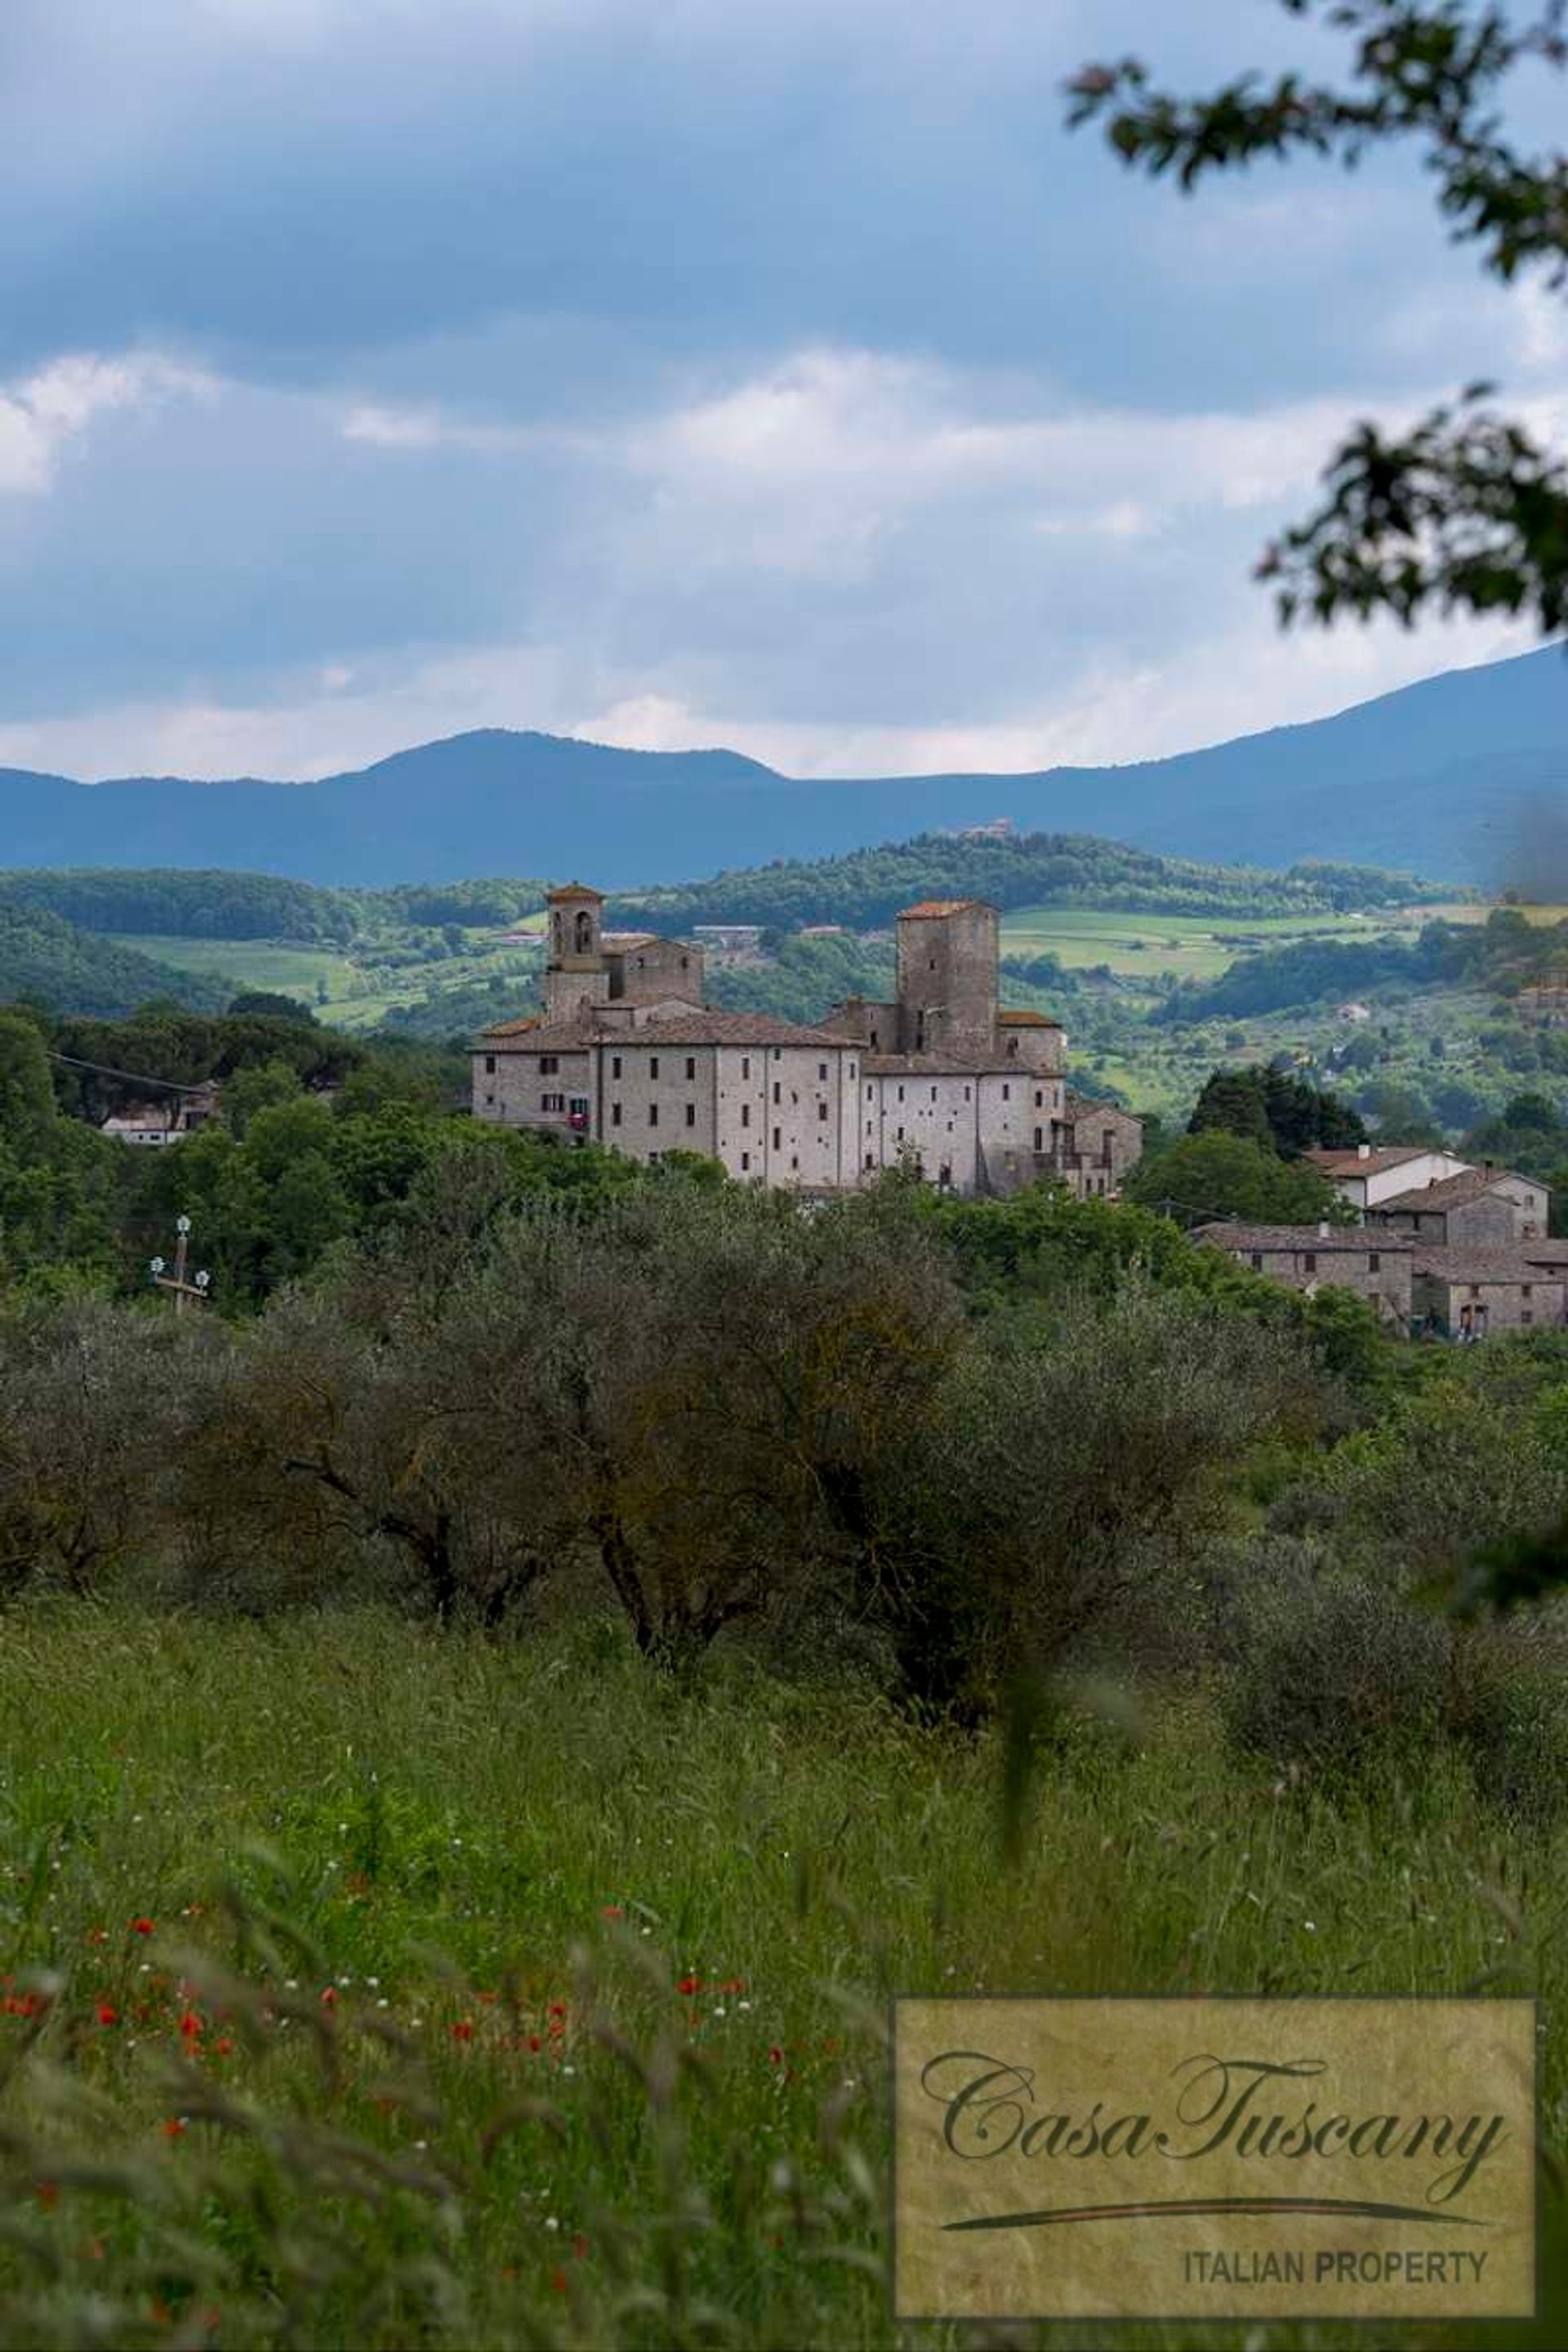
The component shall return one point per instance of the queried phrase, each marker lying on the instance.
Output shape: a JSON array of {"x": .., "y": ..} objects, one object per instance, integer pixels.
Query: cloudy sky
[{"x": 770, "y": 372}]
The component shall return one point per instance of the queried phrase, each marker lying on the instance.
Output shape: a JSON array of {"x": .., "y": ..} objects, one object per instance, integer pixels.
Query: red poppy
[
  {"x": 558, "y": 2281},
  {"x": 141, "y": 1926},
  {"x": 612, "y": 1911},
  {"x": 173, "y": 2126},
  {"x": 534, "y": 2042},
  {"x": 107, "y": 2013},
  {"x": 330, "y": 1997},
  {"x": 690, "y": 1985},
  {"x": 224, "y": 2046},
  {"x": 191, "y": 2026},
  {"x": 463, "y": 2031},
  {"x": 775, "y": 2055}
]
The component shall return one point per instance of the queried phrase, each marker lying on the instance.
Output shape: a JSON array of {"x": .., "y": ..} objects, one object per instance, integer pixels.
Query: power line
[{"x": 131, "y": 1077}]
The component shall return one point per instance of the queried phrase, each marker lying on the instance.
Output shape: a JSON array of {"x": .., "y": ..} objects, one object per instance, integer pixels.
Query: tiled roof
[
  {"x": 936, "y": 906},
  {"x": 539, "y": 1037},
  {"x": 572, "y": 890},
  {"x": 516, "y": 1028},
  {"x": 703, "y": 1027},
  {"x": 1449, "y": 1191},
  {"x": 1025, "y": 1020},
  {"x": 1302, "y": 1237},
  {"x": 1076, "y": 1106},
  {"x": 1485, "y": 1266},
  {"x": 1354, "y": 1162}
]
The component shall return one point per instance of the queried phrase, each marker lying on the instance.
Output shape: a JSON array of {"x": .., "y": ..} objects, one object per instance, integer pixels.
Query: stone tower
[
  {"x": 948, "y": 950},
  {"x": 575, "y": 974}
]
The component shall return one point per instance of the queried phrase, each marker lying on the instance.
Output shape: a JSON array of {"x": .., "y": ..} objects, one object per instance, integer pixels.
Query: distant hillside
[
  {"x": 58, "y": 964},
  {"x": 1465, "y": 776}
]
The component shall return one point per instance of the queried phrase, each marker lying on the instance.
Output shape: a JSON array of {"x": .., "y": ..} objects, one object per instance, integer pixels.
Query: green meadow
[{"x": 369, "y": 1983}]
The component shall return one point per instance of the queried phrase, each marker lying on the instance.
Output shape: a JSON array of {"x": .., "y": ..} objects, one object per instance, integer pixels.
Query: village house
[
  {"x": 1367, "y": 1174},
  {"x": 151, "y": 1125},
  {"x": 1467, "y": 1292},
  {"x": 937, "y": 1078},
  {"x": 1487, "y": 1207},
  {"x": 1316, "y": 1257}
]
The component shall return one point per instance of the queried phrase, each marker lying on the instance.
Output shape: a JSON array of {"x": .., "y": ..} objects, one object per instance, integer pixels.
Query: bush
[{"x": 1339, "y": 1678}]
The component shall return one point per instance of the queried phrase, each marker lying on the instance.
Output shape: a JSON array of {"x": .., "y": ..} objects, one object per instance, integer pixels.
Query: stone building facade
[
  {"x": 1480, "y": 1207},
  {"x": 1466, "y": 1293},
  {"x": 941, "y": 1078},
  {"x": 1377, "y": 1267}
]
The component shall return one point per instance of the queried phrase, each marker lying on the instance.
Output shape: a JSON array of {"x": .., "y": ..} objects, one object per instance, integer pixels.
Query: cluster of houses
[
  {"x": 941, "y": 1078},
  {"x": 1442, "y": 1248}
]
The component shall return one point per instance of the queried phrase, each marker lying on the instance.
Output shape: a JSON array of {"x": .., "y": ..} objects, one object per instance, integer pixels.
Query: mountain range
[{"x": 1463, "y": 776}]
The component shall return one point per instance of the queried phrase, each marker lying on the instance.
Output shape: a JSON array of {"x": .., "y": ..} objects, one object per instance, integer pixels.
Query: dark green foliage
[
  {"x": 1218, "y": 1175},
  {"x": 166, "y": 902},
  {"x": 53, "y": 962},
  {"x": 869, "y": 886}
]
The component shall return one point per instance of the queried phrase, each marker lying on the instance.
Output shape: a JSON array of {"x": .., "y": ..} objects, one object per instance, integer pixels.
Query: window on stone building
[
  {"x": 870, "y": 1160},
  {"x": 1039, "y": 1138},
  {"x": 778, "y": 1092},
  {"x": 900, "y": 1137},
  {"x": 691, "y": 1114},
  {"x": 653, "y": 1066},
  {"x": 1309, "y": 1262},
  {"x": 1258, "y": 1261},
  {"x": 489, "y": 1098},
  {"x": 490, "y": 1065},
  {"x": 1375, "y": 1261},
  {"x": 966, "y": 1094},
  {"x": 821, "y": 1110},
  {"x": 745, "y": 1065},
  {"x": 1039, "y": 1100},
  {"x": 1006, "y": 1091},
  {"x": 901, "y": 1099},
  {"x": 745, "y": 1114},
  {"x": 1527, "y": 1290},
  {"x": 822, "y": 1073},
  {"x": 552, "y": 1102},
  {"x": 548, "y": 1065},
  {"x": 778, "y": 1139},
  {"x": 615, "y": 1113},
  {"x": 934, "y": 1094},
  {"x": 795, "y": 1162},
  {"x": 653, "y": 1114},
  {"x": 1527, "y": 1314},
  {"x": 614, "y": 1066},
  {"x": 692, "y": 1066},
  {"x": 745, "y": 1162},
  {"x": 870, "y": 1095}
]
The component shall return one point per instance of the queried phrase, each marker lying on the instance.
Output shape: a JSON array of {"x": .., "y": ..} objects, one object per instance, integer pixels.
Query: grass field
[
  {"x": 359, "y": 991},
  {"x": 366, "y": 1986},
  {"x": 1189, "y": 946}
]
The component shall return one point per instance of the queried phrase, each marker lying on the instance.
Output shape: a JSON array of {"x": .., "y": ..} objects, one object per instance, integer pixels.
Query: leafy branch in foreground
[{"x": 1463, "y": 511}]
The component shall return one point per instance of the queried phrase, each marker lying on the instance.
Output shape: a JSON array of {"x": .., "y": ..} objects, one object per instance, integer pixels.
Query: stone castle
[{"x": 941, "y": 1078}]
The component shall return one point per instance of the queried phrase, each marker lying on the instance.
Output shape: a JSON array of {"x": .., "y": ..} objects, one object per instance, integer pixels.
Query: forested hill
[
  {"x": 1465, "y": 773},
  {"x": 169, "y": 902},
  {"x": 867, "y": 888},
  {"x": 51, "y": 962}
]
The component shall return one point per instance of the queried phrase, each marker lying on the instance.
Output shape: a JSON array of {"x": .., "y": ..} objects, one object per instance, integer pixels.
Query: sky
[{"x": 775, "y": 374}]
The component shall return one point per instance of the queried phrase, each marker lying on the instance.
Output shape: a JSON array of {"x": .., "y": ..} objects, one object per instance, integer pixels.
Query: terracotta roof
[
  {"x": 1354, "y": 1162},
  {"x": 1025, "y": 1020},
  {"x": 1483, "y": 1266},
  {"x": 516, "y": 1028},
  {"x": 541, "y": 1036},
  {"x": 572, "y": 890},
  {"x": 936, "y": 906},
  {"x": 1302, "y": 1237},
  {"x": 1450, "y": 1191},
  {"x": 705, "y": 1027},
  {"x": 1076, "y": 1106}
]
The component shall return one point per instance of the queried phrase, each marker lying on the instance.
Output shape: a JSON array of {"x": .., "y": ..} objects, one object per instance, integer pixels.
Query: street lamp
[{"x": 176, "y": 1282}]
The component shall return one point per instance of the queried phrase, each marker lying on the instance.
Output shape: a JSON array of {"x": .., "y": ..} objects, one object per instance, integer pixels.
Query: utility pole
[{"x": 184, "y": 1291}]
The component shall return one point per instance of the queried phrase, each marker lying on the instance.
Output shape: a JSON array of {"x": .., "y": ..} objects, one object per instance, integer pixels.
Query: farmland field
[
  {"x": 1193, "y": 947},
  {"x": 359, "y": 990},
  {"x": 458, "y": 1993}
]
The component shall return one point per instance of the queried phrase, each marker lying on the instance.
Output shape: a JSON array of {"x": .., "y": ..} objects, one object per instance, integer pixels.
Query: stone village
[{"x": 972, "y": 1097}]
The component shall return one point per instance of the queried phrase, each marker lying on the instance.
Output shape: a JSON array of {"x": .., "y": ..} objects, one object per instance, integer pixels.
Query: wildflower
[
  {"x": 191, "y": 2025},
  {"x": 612, "y": 1911},
  {"x": 172, "y": 2127},
  {"x": 107, "y": 2013},
  {"x": 463, "y": 2030},
  {"x": 551, "y": 2223},
  {"x": 224, "y": 2046},
  {"x": 330, "y": 1997},
  {"x": 141, "y": 1926},
  {"x": 775, "y": 2055},
  {"x": 97, "y": 1934},
  {"x": 534, "y": 2043},
  {"x": 48, "y": 2195},
  {"x": 580, "y": 2246},
  {"x": 558, "y": 2281},
  {"x": 690, "y": 1985}
]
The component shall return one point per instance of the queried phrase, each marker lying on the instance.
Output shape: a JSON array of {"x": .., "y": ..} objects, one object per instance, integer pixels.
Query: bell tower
[{"x": 575, "y": 970}]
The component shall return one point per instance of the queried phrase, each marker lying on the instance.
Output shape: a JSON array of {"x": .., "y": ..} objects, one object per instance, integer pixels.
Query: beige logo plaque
[{"x": 1214, "y": 2158}]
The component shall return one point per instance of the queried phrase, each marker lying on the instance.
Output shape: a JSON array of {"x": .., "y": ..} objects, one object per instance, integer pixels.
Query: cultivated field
[
  {"x": 1193, "y": 947},
  {"x": 369, "y": 1985}
]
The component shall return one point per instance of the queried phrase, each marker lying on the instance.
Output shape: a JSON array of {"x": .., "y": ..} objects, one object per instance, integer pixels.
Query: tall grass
[{"x": 369, "y": 1987}]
